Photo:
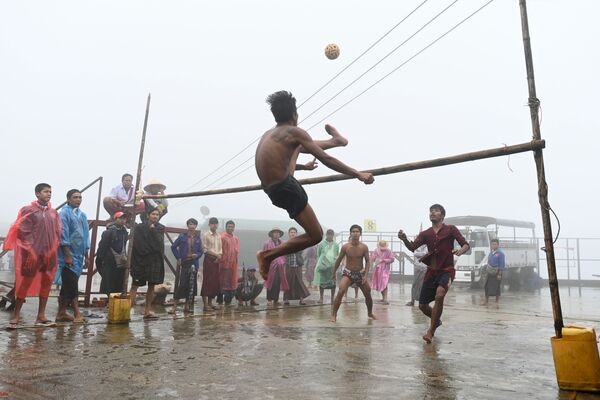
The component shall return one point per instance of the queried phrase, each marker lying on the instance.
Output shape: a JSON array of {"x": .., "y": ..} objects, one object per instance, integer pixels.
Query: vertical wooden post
[
  {"x": 538, "y": 156},
  {"x": 138, "y": 178}
]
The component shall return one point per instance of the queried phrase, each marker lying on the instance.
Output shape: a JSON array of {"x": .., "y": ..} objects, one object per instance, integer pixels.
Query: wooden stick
[
  {"x": 438, "y": 162},
  {"x": 138, "y": 179},
  {"x": 538, "y": 156}
]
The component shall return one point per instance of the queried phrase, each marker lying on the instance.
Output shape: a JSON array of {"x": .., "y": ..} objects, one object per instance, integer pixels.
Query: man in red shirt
[{"x": 440, "y": 264}]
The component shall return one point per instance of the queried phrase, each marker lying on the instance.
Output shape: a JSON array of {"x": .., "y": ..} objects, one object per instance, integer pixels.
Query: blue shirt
[
  {"x": 76, "y": 235},
  {"x": 496, "y": 259},
  {"x": 181, "y": 248}
]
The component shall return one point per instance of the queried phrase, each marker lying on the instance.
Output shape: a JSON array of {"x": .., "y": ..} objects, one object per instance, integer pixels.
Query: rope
[{"x": 403, "y": 64}]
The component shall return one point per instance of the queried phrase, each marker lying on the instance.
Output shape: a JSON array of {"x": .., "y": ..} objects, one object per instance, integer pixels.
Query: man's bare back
[{"x": 275, "y": 161}]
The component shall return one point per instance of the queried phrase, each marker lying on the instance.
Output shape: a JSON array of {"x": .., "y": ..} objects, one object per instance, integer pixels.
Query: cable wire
[
  {"x": 380, "y": 60},
  {"x": 362, "y": 54},
  {"x": 403, "y": 64}
]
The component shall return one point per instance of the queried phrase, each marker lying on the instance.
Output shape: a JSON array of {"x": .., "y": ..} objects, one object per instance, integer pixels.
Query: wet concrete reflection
[{"x": 296, "y": 353}]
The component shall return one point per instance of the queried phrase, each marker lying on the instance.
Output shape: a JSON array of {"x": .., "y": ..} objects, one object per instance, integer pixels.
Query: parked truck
[{"x": 521, "y": 252}]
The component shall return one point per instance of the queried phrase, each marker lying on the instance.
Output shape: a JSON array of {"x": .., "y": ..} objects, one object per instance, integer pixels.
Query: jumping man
[{"x": 275, "y": 160}]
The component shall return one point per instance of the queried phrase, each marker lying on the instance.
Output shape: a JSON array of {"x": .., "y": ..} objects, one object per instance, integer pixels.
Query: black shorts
[
  {"x": 356, "y": 277},
  {"x": 430, "y": 287},
  {"x": 289, "y": 195},
  {"x": 69, "y": 289}
]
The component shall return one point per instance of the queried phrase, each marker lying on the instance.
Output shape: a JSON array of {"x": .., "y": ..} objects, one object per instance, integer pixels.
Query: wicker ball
[{"x": 332, "y": 51}]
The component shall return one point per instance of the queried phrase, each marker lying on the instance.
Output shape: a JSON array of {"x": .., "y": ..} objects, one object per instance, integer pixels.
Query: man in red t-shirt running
[{"x": 440, "y": 264}]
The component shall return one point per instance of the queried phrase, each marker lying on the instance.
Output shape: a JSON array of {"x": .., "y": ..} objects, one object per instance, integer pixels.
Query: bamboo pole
[
  {"x": 138, "y": 179},
  {"x": 538, "y": 156},
  {"x": 438, "y": 162}
]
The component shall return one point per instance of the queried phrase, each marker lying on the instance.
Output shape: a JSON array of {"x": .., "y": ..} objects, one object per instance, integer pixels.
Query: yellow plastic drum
[
  {"x": 576, "y": 359},
  {"x": 119, "y": 308}
]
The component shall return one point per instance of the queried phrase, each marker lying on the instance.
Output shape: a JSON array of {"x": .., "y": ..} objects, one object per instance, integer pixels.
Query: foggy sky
[{"x": 74, "y": 77}]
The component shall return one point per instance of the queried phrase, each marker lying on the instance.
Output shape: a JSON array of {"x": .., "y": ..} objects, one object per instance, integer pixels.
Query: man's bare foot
[
  {"x": 320, "y": 301},
  {"x": 372, "y": 316},
  {"x": 428, "y": 337},
  {"x": 333, "y": 319},
  {"x": 63, "y": 318},
  {"x": 79, "y": 320},
  {"x": 337, "y": 137},
  {"x": 253, "y": 303},
  {"x": 263, "y": 264}
]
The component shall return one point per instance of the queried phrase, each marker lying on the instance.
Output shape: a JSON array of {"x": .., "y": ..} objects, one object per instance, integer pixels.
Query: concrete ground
[{"x": 294, "y": 352}]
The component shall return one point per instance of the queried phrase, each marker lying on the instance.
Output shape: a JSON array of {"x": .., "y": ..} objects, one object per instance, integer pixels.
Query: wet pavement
[{"x": 294, "y": 352}]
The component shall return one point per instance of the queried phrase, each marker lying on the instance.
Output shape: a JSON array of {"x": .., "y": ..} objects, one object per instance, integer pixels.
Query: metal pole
[
  {"x": 578, "y": 267},
  {"x": 137, "y": 188},
  {"x": 538, "y": 156},
  {"x": 92, "y": 255}
]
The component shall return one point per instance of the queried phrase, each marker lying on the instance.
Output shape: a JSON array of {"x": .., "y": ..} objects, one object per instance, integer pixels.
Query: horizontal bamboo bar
[{"x": 438, "y": 162}]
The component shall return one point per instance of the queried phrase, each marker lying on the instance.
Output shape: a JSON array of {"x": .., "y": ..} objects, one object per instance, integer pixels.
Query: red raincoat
[{"x": 34, "y": 237}]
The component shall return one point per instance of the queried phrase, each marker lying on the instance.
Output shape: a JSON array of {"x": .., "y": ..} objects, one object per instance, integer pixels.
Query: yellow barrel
[
  {"x": 576, "y": 359},
  {"x": 119, "y": 308}
]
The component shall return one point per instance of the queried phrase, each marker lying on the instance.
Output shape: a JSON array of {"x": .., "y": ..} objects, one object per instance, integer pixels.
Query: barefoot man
[
  {"x": 353, "y": 274},
  {"x": 440, "y": 264},
  {"x": 275, "y": 161}
]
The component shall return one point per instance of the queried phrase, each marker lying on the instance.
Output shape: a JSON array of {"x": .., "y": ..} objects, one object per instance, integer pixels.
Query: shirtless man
[
  {"x": 275, "y": 161},
  {"x": 354, "y": 251}
]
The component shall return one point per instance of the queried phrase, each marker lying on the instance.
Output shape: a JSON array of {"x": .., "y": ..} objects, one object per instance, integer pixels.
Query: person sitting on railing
[
  {"x": 122, "y": 198},
  {"x": 155, "y": 187}
]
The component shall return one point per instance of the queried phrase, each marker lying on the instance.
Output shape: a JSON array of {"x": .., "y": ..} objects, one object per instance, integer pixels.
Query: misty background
[{"x": 75, "y": 75}]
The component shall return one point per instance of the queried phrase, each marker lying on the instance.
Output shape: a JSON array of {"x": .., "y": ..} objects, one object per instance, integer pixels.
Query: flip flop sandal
[
  {"x": 44, "y": 324},
  {"x": 12, "y": 326}
]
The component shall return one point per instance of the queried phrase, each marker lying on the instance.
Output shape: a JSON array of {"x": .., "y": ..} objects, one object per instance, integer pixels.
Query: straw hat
[
  {"x": 155, "y": 182},
  {"x": 275, "y": 230}
]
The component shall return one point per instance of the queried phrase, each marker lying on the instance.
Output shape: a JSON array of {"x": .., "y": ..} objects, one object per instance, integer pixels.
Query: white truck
[{"x": 521, "y": 253}]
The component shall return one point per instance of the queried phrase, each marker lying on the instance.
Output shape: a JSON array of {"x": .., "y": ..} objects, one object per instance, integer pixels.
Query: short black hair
[
  {"x": 125, "y": 176},
  {"x": 72, "y": 192},
  {"x": 494, "y": 240},
  {"x": 330, "y": 231},
  {"x": 283, "y": 105},
  {"x": 192, "y": 221},
  {"x": 439, "y": 207},
  {"x": 213, "y": 220},
  {"x": 41, "y": 186},
  {"x": 293, "y": 228},
  {"x": 355, "y": 226},
  {"x": 152, "y": 210},
  {"x": 230, "y": 222}
]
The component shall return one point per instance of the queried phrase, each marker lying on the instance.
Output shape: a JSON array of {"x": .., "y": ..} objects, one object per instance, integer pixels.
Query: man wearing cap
[
  {"x": 111, "y": 256},
  {"x": 248, "y": 287},
  {"x": 213, "y": 251},
  {"x": 155, "y": 187},
  {"x": 276, "y": 279}
]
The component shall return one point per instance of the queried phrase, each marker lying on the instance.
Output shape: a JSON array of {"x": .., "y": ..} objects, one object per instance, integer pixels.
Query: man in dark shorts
[
  {"x": 440, "y": 264},
  {"x": 275, "y": 160},
  {"x": 353, "y": 273}
]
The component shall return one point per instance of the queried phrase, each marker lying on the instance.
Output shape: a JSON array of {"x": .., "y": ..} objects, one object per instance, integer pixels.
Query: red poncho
[{"x": 34, "y": 237}]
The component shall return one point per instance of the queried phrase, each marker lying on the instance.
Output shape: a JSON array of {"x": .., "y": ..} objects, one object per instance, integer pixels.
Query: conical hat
[{"x": 155, "y": 182}]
